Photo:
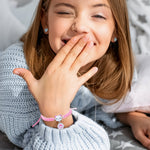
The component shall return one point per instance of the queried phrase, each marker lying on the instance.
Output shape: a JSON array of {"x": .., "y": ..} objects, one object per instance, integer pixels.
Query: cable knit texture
[{"x": 19, "y": 111}]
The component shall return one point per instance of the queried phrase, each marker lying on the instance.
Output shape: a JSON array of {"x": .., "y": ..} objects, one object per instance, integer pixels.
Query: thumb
[{"x": 27, "y": 76}]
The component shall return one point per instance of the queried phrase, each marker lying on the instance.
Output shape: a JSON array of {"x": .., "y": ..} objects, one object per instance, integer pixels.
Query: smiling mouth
[{"x": 65, "y": 41}]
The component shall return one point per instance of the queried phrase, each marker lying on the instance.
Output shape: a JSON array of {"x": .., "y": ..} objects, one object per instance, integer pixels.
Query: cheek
[
  {"x": 54, "y": 30},
  {"x": 104, "y": 35},
  {"x": 57, "y": 28}
]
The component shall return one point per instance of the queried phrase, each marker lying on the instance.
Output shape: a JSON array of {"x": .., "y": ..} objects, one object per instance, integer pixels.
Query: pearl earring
[
  {"x": 115, "y": 39},
  {"x": 46, "y": 30}
]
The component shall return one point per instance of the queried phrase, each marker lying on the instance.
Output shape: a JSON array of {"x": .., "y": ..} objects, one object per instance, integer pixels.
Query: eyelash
[
  {"x": 63, "y": 13},
  {"x": 99, "y": 16}
]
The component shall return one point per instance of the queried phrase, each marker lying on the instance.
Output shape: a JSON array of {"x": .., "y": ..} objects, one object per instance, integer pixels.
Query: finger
[
  {"x": 27, "y": 76},
  {"x": 143, "y": 139},
  {"x": 88, "y": 75},
  {"x": 148, "y": 134},
  {"x": 82, "y": 59},
  {"x": 63, "y": 52},
  {"x": 76, "y": 50}
]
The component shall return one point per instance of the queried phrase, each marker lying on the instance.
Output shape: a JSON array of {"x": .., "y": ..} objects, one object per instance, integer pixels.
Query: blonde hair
[{"x": 114, "y": 77}]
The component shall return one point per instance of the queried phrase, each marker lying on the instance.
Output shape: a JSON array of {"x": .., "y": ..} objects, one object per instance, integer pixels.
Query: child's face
[{"x": 92, "y": 17}]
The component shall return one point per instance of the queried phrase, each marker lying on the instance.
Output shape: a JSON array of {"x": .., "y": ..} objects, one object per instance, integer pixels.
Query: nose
[{"x": 80, "y": 25}]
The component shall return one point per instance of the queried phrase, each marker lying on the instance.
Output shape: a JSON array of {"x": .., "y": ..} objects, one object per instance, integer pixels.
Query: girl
[{"x": 70, "y": 43}]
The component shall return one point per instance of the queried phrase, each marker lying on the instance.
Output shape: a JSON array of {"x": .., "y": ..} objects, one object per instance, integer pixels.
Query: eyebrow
[
  {"x": 71, "y": 6},
  {"x": 101, "y": 5},
  {"x": 64, "y": 4}
]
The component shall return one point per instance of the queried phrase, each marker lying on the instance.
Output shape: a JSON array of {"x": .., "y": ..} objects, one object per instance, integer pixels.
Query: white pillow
[
  {"x": 18, "y": 3},
  {"x": 138, "y": 99},
  {"x": 139, "y": 17},
  {"x": 25, "y": 12},
  {"x": 11, "y": 28}
]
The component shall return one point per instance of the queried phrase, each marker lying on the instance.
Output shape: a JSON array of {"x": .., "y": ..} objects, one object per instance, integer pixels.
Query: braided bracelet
[{"x": 57, "y": 118}]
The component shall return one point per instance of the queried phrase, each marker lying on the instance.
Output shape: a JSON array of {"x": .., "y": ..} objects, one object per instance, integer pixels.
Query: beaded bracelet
[{"x": 57, "y": 118}]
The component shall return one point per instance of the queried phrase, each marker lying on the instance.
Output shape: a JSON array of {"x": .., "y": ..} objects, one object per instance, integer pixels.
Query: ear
[
  {"x": 114, "y": 37},
  {"x": 44, "y": 21}
]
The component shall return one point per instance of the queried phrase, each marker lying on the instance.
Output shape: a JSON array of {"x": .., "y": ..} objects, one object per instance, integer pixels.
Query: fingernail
[
  {"x": 75, "y": 39},
  {"x": 90, "y": 44},
  {"x": 85, "y": 38},
  {"x": 95, "y": 69},
  {"x": 16, "y": 72}
]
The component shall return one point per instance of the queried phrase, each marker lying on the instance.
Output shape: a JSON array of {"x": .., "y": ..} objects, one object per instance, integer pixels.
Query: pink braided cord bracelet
[{"x": 57, "y": 118}]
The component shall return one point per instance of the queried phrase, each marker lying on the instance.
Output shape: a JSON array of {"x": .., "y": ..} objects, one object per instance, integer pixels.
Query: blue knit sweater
[{"x": 19, "y": 111}]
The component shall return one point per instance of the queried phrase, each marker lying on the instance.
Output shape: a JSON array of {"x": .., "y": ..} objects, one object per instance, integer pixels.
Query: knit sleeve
[
  {"x": 90, "y": 107},
  {"x": 19, "y": 111},
  {"x": 85, "y": 134}
]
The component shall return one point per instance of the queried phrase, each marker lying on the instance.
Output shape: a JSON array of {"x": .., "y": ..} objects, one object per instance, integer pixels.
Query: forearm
[{"x": 128, "y": 118}]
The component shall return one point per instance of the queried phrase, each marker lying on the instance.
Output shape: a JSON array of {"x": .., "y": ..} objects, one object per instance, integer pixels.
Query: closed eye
[
  {"x": 63, "y": 13},
  {"x": 99, "y": 16}
]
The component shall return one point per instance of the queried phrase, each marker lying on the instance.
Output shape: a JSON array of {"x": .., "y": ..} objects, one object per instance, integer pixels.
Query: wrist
[
  {"x": 53, "y": 110},
  {"x": 133, "y": 116},
  {"x": 66, "y": 122},
  {"x": 60, "y": 121}
]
